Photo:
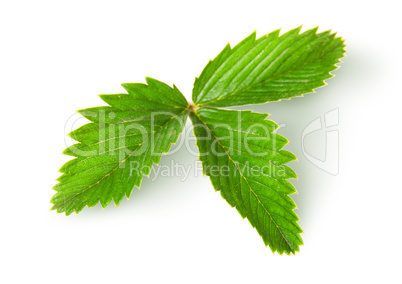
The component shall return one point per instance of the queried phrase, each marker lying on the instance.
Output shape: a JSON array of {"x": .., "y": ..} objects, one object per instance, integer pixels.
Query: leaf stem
[{"x": 192, "y": 108}]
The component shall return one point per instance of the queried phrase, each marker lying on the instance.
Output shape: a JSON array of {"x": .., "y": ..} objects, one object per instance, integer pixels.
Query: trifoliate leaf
[
  {"x": 239, "y": 150},
  {"x": 120, "y": 145},
  {"x": 269, "y": 69},
  {"x": 243, "y": 158}
]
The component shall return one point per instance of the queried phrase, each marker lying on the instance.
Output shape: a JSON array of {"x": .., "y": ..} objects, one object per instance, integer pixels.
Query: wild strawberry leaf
[
  {"x": 244, "y": 159},
  {"x": 239, "y": 150},
  {"x": 120, "y": 145},
  {"x": 269, "y": 69}
]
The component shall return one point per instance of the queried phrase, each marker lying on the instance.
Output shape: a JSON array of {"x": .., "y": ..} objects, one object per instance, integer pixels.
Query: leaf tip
[{"x": 126, "y": 86}]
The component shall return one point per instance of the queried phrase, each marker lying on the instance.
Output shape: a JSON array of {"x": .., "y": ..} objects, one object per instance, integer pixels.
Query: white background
[{"x": 56, "y": 56}]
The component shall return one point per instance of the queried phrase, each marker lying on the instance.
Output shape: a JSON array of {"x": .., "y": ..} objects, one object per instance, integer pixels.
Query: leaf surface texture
[
  {"x": 269, "y": 69},
  {"x": 120, "y": 145},
  {"x": 244, "y": 159}
]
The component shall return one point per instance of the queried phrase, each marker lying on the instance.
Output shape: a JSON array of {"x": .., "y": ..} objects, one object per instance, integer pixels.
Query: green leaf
[
  {"x": 120, "y": 145},
  {"x": 240, "y": 151},
  {"x": 242, "y": 155},
  {"x": 269, "y": 69}
]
